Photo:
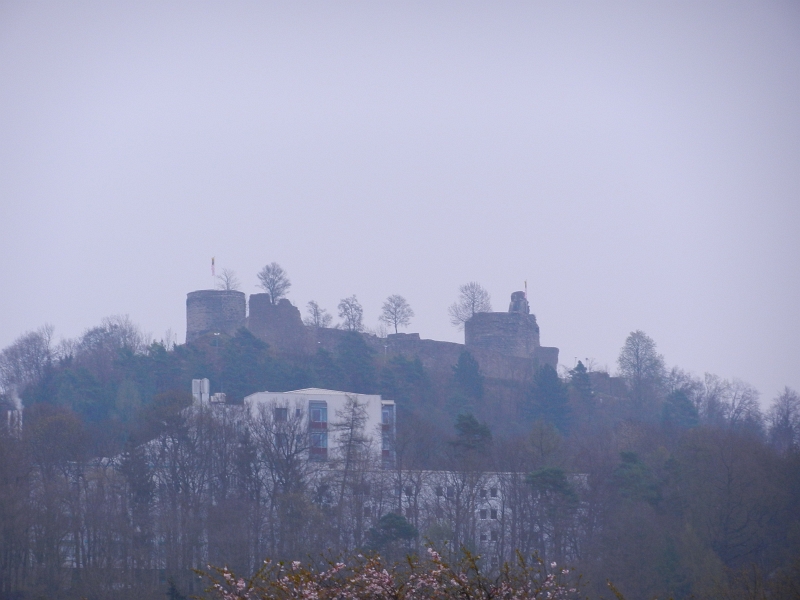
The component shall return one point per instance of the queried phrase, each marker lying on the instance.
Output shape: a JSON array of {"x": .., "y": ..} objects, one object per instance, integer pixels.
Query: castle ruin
[
  {"x": 505, "y": 344},
  {"x": 213, "y": 311}
]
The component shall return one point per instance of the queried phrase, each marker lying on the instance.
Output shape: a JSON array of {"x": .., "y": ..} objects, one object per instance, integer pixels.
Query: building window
[
  {"x": 483, "y": 514},
  {"x": 451, "y": 491},
  {"x": 318, "y": 412},
  {"x": 281, "y": 414},
  {"x": 439, "y": 491},
  {"x": 409, "y": 490},
  {"x": 483, "y": 537},
  {"x": 387, "y": 415},
  {"x": 494, "y": 493},
  {"x": 319, "y": 445},
  {"x": 483, "y": 493},
  {"x": 494, "y": 513},
  {"x": 495, "y": 536},
  {"x": 298, "y": 412}
]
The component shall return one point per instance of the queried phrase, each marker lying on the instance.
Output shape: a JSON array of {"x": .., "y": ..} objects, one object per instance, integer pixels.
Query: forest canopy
[{"x": 666, "y": 483}]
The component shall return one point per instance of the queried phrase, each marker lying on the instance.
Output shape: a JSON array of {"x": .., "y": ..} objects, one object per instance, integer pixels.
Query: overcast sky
[{"x": 637, "y": 163}]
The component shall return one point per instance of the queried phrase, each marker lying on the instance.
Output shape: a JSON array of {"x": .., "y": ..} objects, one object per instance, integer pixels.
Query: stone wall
[
  {"x": 214, "y": 311},
  {"x": 435, "y": 356},
  {"x": 546, "y": 356},
  {"x": 506, "y": 345},
  {"x": 509, "y": 334},
  {"x": 280, "y": 325}
]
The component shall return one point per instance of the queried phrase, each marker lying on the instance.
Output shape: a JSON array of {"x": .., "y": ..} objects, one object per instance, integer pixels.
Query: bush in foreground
[{"x": 370, "y": 578}]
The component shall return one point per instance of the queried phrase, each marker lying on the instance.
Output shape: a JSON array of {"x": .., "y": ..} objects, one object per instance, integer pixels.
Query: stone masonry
[
  {"x": 506, "y": 345},
  {"x": 214, "y": 311}
]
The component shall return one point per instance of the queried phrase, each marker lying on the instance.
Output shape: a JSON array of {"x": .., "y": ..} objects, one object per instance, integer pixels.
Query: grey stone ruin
[{"x": 519, "y": 304}]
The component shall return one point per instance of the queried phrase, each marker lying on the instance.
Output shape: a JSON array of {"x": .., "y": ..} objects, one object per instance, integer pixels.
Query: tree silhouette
[
  {"x": 274, "y": 280},
  {"x": 472, "y": 299},
  {"x": 396, "y": 312}
]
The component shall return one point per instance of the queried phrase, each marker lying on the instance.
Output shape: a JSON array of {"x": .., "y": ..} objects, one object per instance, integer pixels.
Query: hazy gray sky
[{"x": 638, "y": 163}]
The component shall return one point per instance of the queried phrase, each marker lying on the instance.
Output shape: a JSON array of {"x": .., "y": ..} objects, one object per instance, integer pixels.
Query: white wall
[{"x": 336, "y": 402}]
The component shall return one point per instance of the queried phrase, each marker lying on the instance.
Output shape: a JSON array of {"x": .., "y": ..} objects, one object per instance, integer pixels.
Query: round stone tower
[{"x": 214, "y": 311}]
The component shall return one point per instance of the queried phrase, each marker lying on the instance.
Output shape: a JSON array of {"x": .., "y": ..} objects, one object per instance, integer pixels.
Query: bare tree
[
  {"x": 642, "y": 367},
  {"x": 228, "y": 280},
  {"x": 711, "y": 402},
  {"x": 353, "y": 456},
  {"x": 275, "y": 281},
  {"x": 351, "y": 312},
  {"x": 317, "y": 317},
  {"x": 784, "y": 420},
  {"x": 396, "y": 312},
  {"x": 742, "y": 407},
  {"x": 24, "y": 361},
  {"x": 99, "y": 347},
  {"x": 169, "y": 339},
  {"x": 473, "y": 298}
]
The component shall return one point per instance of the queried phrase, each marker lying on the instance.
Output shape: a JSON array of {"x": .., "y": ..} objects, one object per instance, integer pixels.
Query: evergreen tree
[
  {"x": 467, "y": 384},
  {"x": 356, "y": 361},
  {"x": 245, "y": 366},
  {"x": 679, "y": 410},
  {"x": 471, "y": 435},
  {"x": 635, "y": 481},
  {"x": 548, "y": 399},
  {"x": 405, "y": 381},
  {"x": 580, "y": 383},
  {"x": 326, "y": 372},
  {"x": 391, "y": 536}
]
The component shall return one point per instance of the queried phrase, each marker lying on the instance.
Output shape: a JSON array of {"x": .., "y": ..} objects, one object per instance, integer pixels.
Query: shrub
[{"x": 370, "y": 578}]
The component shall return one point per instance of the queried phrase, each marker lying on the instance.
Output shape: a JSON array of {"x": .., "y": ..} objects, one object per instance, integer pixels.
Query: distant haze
[{"x": 637, "y": 163}]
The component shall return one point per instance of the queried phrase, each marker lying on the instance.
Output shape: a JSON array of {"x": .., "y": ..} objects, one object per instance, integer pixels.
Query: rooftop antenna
[
  {"x": 213, "y": 273},
  {"x": 526, "y": 289}
]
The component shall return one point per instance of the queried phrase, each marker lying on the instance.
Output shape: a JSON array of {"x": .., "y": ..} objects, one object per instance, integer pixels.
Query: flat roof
[{"x": 322, "y": 392}]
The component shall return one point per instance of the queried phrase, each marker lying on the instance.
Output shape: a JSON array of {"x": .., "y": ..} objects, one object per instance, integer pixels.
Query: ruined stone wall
[
  {"x": 505, "y": 345},
  {"x": 214, "y": 311},
  {"x": 434, "y": 355},
  {"x": 509, "y": 334},
  {"x": 280, "y": 325},
  {"x": 546, "y": 356}
]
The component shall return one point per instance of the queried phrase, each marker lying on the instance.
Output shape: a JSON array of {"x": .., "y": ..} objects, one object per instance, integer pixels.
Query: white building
[{"x": 323, "y": 409}]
